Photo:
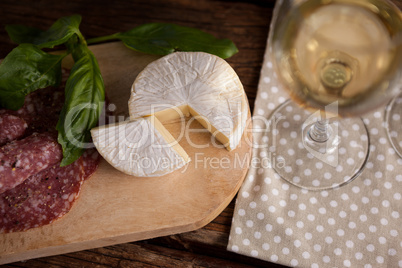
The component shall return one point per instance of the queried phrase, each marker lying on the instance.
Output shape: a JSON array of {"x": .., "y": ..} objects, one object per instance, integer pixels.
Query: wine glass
[
  {"x": 393, "y": 120},
  {"x": 343, "y": 59}
]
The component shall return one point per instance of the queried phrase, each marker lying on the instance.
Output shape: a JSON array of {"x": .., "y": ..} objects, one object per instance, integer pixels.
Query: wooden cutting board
[{"x": 116, "y": 208}]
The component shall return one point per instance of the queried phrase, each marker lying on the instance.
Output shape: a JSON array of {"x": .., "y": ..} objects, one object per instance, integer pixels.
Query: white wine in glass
[{"x": 342, "y": 57}]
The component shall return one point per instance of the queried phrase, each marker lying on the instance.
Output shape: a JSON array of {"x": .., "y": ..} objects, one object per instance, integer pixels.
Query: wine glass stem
[{"x": 320, "y": 130}]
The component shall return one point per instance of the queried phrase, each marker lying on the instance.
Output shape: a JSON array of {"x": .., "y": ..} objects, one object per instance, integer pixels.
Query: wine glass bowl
[
  {"x": 342, "y": 57},
  {"x": 343, "y": 38}
]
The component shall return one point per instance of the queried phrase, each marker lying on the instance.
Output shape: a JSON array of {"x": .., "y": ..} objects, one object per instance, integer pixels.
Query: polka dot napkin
[{"x": 357, "y": 225}]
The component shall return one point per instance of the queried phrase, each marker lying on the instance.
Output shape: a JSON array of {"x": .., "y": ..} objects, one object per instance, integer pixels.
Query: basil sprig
[
  {"x": 59, "y": 33},
  {"x": 85, "y": 94},
  {"x": 28, "y": 68},
  {"x": 165, "y": 38}
]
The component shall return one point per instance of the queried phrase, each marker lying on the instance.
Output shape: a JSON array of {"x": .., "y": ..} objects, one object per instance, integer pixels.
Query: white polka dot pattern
[{"x": 357, "y": 225}]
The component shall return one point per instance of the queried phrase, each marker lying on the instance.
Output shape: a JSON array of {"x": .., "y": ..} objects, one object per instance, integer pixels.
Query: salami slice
[
  {"x": 23, "y": 158},
  {"x": 11, "y": 127},
  {"x": 90, "y": 159},
  {"x": 42, "y": 198},
  {"x": 34, "y": 189},
  {"x": 41, "y": 108}
]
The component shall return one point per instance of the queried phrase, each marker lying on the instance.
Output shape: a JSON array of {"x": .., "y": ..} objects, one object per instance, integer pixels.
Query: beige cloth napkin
[{"x": 357, "y": 225}]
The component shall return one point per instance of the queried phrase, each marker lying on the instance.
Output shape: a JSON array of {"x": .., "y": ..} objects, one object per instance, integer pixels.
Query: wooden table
[{"x": 244, "y": 22}]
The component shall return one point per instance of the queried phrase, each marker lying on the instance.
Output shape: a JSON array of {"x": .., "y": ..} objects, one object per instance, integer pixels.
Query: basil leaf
[
  {"x": 22, "y": 34},
  {"x": 85, "y": 95},
  {"x": 57, "y": 34},
  {"x": 24, "y": 70},
  {"x": 165, "y": 38}
]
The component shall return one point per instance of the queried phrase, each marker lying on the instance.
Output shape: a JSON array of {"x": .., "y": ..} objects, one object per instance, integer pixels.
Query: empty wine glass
[{"x": 393, "y": 119}]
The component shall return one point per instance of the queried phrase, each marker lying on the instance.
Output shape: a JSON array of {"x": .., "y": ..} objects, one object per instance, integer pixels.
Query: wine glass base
[
  {"x": 393, "y": 119},
  {"x": 316, "y": 166}
]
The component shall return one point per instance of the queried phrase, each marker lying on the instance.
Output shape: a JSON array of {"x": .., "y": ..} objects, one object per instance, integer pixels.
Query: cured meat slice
[
  {"x": 42, "y": 198},
  {"x": 40, "y": 111},
  {"x": 41, "y": 108},
  {"x": 11, "y": 127},
  {"x": 23, "y": 158},
  {"x": 34, "y": 189},
  {"x": 90, "y": 161}
]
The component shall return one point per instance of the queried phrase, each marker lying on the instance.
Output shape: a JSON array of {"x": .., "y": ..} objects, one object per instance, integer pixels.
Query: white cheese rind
[
  {"x": 140, "y": 147},
  {"x": 204, "y": 82}
]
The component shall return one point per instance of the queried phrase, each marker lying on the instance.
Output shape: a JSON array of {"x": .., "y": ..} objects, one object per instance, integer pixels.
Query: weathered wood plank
[{"x": 244, "y": 22}]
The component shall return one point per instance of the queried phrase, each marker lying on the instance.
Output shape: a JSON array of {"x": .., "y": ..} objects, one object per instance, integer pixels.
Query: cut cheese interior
[
  {"x": 141, "y": 147},
  {"x": 193, "y": 83}
]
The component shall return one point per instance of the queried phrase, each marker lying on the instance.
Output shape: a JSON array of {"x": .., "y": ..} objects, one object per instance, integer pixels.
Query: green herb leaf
[
  {"x": 22, "y": 34},
  {"x": 85, "y": 95},
  {"x": 165, "y": 38},
  {"x": 24, "y": 70},
  {"x": 59, "y": 33}
]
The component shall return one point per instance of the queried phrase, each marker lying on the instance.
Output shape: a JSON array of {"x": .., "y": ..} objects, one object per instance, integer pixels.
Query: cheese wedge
[
  {"x": 141, "y": 147},
  {"x": 193, "y": 83}
]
